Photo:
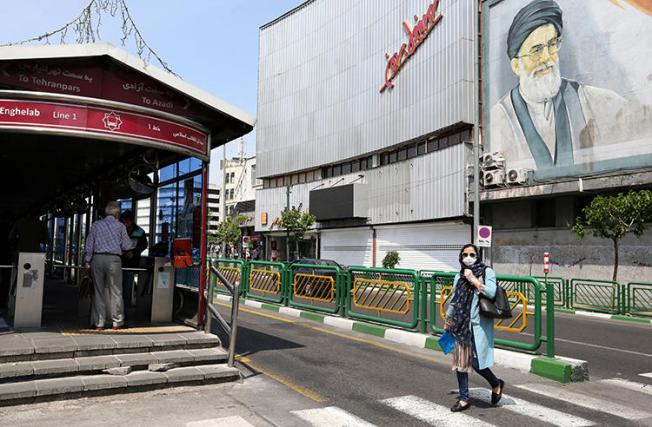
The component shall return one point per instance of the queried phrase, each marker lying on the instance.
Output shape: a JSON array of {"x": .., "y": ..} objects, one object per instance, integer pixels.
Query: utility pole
[
  {"x": 223, "y": 196},
  {"x": 287, "y": 230},
  {"x": 476, "y": 188}
]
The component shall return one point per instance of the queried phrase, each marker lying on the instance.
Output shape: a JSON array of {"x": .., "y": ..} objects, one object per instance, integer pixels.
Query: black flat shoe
[
  {"x": 495, "y": 397},
  {"x": 457, "y": 407}
]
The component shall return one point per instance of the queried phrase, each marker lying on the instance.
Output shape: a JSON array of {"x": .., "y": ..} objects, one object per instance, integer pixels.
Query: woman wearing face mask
[{"x": 474, "y": 334}]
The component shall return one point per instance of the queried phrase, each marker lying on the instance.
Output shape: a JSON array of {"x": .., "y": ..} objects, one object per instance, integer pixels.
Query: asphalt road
[{"x": 356, "y": 373}]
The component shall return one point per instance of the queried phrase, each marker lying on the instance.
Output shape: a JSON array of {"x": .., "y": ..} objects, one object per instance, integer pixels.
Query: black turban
[{"x": 528, "y": 19}]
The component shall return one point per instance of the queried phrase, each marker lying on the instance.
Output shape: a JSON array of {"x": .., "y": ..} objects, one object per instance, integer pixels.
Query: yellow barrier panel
[
  {"x": 444, "y": 295},
  {"x": 266, "y": 281},
  {"x": 396, "y": 298},
  {"x": 314, "y": 287},
  {"x": 515, "y": 299},
  {"x": 232, "y": 274}
]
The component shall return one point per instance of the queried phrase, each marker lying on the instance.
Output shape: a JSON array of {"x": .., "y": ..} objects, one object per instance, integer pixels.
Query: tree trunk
[
  {"x": 296, "y": 246},
  {"x": 615, "y": 260}
]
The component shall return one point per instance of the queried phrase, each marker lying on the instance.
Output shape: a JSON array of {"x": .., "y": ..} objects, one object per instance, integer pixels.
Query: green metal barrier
[
  {"x": 266, "y": 281},
  {"x": 595, "y": 295},
  {"x": 639, "y": 299},
  {"x": 559, "y": 287},
  {"x": 315, "y": 287},
  {"x": 235, "y": 270},
  {"x": 393, "y": 295},
  {"x": 517, "y": 284}
]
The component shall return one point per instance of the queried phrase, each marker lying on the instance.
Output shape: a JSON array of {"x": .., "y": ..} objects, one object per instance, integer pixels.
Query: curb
[
  {"x": 604, "y": 315},
  {"x": 561, "y": 369}
]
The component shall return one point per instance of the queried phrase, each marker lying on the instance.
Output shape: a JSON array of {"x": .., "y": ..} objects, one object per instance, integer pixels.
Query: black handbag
[{"x": 497, "y": 308}]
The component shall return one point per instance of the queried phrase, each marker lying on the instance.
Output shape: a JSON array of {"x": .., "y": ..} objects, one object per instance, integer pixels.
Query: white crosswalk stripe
[
  {"x": 331, "y": 416},
  {"x": 432, "y": 413},
  {"x": 221, "y": 422},
  {"x": 647, "y": 375},
  {"x": 532, "y": 410},
  {"x": 630, "y": 385},
  {"x": 585, "y": 401}
]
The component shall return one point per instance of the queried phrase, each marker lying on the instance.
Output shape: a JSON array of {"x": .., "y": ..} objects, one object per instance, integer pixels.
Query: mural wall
[{"x": 569, "y": 88}]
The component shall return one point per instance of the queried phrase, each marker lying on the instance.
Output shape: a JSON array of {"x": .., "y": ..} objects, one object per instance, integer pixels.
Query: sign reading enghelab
[{"x": 569, "y": 85}]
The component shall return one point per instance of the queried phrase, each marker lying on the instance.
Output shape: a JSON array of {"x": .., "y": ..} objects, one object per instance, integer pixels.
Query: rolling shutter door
[
  {"x": 424, "y": 246},
  {"x": 349, "y": 246}
]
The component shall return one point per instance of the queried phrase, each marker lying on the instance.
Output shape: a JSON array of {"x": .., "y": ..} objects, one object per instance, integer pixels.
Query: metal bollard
[{"x": 550, "y": 319}]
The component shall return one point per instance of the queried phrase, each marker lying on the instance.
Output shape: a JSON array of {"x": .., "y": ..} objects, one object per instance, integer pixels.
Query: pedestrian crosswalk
[{"x": 561, "y": 400}]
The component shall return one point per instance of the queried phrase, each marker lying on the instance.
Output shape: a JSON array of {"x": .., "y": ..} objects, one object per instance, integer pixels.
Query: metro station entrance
[{"x": 84, "y": 125}]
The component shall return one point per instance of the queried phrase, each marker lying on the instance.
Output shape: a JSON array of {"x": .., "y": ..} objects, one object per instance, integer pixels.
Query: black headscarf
[
  {"x": 460, "y": 327},
  {"x": 528, "y": 19}
]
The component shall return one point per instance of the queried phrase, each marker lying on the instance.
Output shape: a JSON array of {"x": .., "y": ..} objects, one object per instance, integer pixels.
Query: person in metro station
[
  {"x": 473, "y": 333},
  {"x": 106, "y": 241}
]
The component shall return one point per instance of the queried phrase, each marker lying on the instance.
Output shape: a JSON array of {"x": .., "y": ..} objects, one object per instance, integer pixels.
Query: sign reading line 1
[
  {"x": 87, "y": 121},
  {"x": 417, "y": 34}
]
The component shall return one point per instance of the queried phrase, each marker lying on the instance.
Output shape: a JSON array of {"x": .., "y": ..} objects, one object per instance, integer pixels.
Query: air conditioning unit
[
  {"x": 493, "y": 178},
  {"x": 493, "y": 160},
  {"x": 517, "y": 176}
]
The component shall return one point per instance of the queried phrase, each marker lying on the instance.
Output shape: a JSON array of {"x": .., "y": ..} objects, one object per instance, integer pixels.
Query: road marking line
[
  {"x": 647, "y": 375},
  {"x": 630, "y": 385},
  {"x": 595, "y": 346},
  {"x": 234, "y": 421},
  {"x": 523, "y": 407},
  {"x": 331, "y": 416},
  {"x": 271, "y": 316},
  {"x": 585, "y": 401},
  {"x": 312, "y": 395},
  {"x": 431, "y": 413}
]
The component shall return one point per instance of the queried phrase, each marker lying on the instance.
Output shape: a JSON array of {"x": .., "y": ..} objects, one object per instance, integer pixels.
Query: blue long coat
[{"x": 483, "y": 327}]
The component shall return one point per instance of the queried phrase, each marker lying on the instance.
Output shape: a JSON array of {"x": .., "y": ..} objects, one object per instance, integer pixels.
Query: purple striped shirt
[{"x": 107, "y": 236}]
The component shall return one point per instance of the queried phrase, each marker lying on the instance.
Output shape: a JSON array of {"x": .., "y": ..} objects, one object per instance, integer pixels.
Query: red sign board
[
  {"x": 97, "y": 81},
  {"x": 417, "y": 33},
  {"x": 89, "y": 121}
]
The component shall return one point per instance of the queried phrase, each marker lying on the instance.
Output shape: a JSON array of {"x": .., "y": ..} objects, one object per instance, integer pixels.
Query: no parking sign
[{"x": 484, "y": 236}]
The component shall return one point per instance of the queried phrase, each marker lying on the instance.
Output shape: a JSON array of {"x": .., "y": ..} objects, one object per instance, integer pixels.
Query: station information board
[{"x": 100, "y": 122}]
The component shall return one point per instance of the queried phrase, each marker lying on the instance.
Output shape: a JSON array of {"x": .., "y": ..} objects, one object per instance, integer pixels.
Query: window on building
[
  {"x": 433, "y": 145},
  {"x": 232, "y": 194},
  {"x": 295, "y": 179},
  {"x": 355, "y": 166},
  {"x": 412, "y": 151},
  {"x": 443, "y": 143},
  {"x": 302, "y": 178},
  {"x": 402, "y": 154},
  {"x": 287, "y": 180},
  {"x": 226, "y": 178},
  {"x": 337, "y": 170},
  {"x": 232, "y": 176},
  {"x": 253, "y": 175},
  {"x": 421, "y": 149},
  {"x": 454, "y": 139},
  {"x": 545, "y": 212},
  {"x": 393, "y": 157},
  {"x": 384, "y": 159},
  {"x": 346, "y": 168},
  {"x": 167, "y": 173},
  {"x": 310, "y": 176}
]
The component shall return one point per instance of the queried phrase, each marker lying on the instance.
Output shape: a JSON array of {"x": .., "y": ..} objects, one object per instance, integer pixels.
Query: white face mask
[{"x": 468, "y": 261}]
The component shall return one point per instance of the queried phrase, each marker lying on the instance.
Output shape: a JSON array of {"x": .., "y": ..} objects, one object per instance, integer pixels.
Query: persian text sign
[
  {"x": 88, "y": 121},
  {"x": 417, "y": 34}
]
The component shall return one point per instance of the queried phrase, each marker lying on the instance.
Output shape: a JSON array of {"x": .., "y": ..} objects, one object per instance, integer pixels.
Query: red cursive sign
[
  {"x": 417, "y": 35},
  {"x": 89, "y": 122}
]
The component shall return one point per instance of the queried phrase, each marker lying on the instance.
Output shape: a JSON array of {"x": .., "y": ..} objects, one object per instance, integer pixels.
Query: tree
[
  {"x": 228, "y": 231},
  {"x": 612, "y": 217},
  {"x": 391, "y": 260},
  {"x": 297, "y": 222}
]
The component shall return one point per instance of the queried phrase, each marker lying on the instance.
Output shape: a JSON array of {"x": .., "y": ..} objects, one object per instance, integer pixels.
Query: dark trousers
[{"x": 463, "y": 377}]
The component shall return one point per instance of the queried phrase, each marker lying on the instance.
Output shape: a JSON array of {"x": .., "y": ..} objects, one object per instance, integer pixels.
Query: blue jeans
[{"x": 463, "y": 377}]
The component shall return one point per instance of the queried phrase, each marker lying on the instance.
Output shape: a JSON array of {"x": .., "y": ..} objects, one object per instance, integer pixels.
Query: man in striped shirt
[{"x": 106, "y": 242}]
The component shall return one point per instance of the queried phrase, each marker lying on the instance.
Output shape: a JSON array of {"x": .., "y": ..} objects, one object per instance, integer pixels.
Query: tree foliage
[
  {"x": 391, "y": 260},
  {"x": 228, "y": 231},
  {"x": 612, "y": 217},
  {"x": 296, "y": 222}
]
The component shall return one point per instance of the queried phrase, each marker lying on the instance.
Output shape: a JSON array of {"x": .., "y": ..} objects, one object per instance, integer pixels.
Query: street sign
[
  {"x": 546, "y": 263},
  {"x": 484, "y": 236}
]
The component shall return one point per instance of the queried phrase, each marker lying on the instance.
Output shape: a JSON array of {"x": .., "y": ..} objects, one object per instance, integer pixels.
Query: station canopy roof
[{"x": 72, "y": 116}]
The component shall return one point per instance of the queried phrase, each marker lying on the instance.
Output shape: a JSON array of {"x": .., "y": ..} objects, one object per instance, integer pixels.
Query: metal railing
[
  {"x": 638, "y": 299},
  {"x": 232, "y": 328},
  {"x": 315, "y": 287},
  {"x": 595, "y": 295}
]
